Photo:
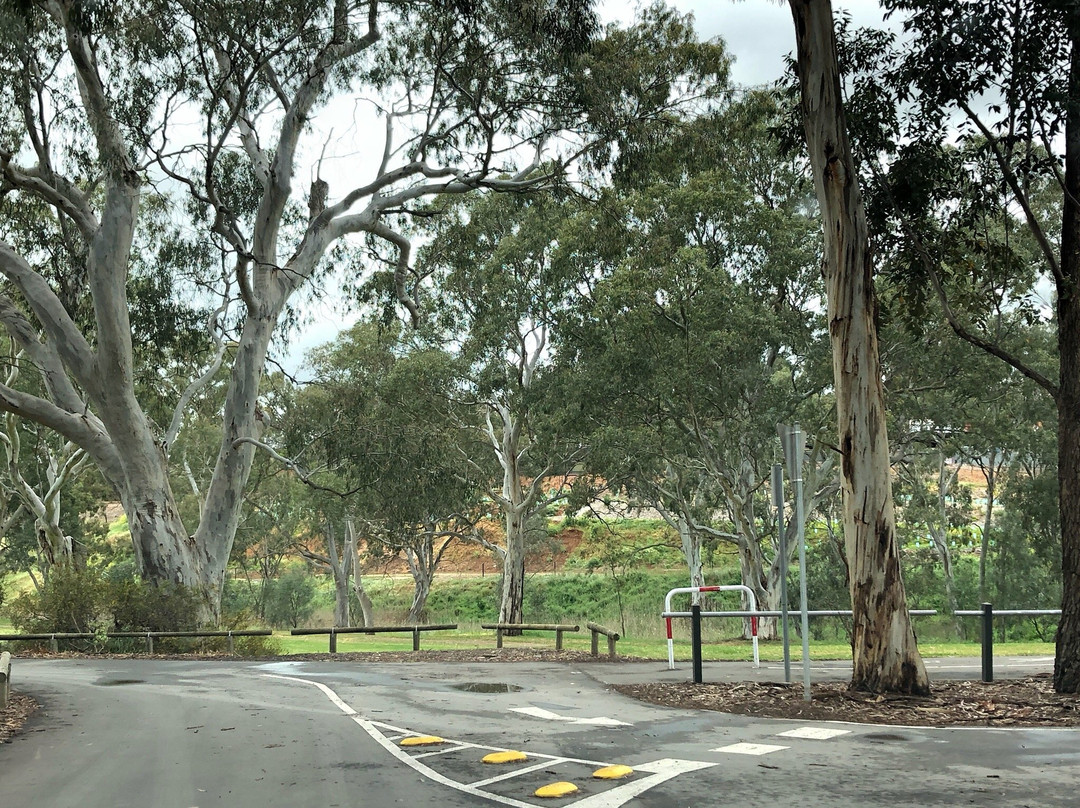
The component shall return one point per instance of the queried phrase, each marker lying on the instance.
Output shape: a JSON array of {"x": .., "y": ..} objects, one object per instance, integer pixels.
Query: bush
[
  {"x": 290, "y": 600},
  {"x": 139, "y": 606},
  {"x": 69, "y": 602},
  {"x": 87, "y": 601}
]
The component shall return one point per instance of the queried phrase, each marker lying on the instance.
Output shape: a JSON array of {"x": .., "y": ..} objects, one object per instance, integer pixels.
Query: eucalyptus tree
[
  {"x": 340, "y": 554},
  {"x": 221, "y": 105},
  {"x": 974, "y": 152},
  {"x": 885, "y": 656},
  {"x": 39, "y": 481},
  {"x": 696, "y": 340},
  {"x": 492, "y": 262},
  {"x": 376, "y": 436}
]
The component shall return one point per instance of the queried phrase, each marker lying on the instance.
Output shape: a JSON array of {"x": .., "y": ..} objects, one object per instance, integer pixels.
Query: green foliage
[
  {"x": 70, "y": 601},
  {"x": 620, "y": 544},
  {"x": 466, "y": 600},
  {"x": 91, "y": 601},
  {"x": 137, "y": 605},
  {"x": 290, "y": 600}
]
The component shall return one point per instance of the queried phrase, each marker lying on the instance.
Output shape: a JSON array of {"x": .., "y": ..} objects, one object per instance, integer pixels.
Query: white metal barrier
[{"x": 694, "y": 589}]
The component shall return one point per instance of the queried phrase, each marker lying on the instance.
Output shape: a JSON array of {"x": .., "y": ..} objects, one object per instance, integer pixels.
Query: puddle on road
[
  {"x": 884, "y": 736},
  {"x": 117, "y": 682},
  {"x": 487, "y": 687}
]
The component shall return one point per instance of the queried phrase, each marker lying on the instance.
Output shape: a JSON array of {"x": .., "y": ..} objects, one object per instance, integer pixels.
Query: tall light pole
[
  {"x": 791, "y": 438},
  {"x": 781, "y": 543}
]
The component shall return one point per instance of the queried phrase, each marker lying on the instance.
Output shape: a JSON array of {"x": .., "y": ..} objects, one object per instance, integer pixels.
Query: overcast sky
[{"x": 759, "y": 33}]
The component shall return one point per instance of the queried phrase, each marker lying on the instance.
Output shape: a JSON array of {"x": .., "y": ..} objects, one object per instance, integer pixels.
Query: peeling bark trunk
[
  {"x": 885, "y": 656},
  {"x": 513, "y": 584},
  {"x": 421, "y": 590},
  {"x": 691, "y": 547},
  {"x": 163, "y": 549},
  {"x": 367, "y": 609}
]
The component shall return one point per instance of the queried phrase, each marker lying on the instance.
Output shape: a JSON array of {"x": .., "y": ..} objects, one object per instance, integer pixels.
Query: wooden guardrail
[
  {"x": 334, "y": 631},
  {"x": 52, "y": 637},
  {"x": 150, "y": 635},
  {"x": 500, "y": 628},
  {"x": 612, "y": 638},
  {"x": 5, "y": 678}
]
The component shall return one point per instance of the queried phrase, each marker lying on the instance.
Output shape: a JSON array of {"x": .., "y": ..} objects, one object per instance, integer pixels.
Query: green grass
[
  {"x": 727, "y": 650},
  {"x": 712, "y": 651}
]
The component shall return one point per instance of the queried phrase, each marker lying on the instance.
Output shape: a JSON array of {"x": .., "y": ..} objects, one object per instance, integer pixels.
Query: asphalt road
[{"x": 195, "y": 734}]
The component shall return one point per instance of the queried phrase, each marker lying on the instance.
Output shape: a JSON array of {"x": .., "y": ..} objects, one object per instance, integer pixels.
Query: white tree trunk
[
  {"x": 885, "y": 654},
  {"x": 513, "y": 582},
  {"x": 352, "y": 550}
]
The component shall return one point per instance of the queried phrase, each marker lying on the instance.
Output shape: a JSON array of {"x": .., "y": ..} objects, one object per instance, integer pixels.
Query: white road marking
[
  {"x": 540, "y": 712},
  {"x": 457, "y": 746},
  {"x": 814, "y": 733},
  {"x": 660, "y": 770},
  {"x": 525, "y": 770},
  {"x": 749, "y": 748}
]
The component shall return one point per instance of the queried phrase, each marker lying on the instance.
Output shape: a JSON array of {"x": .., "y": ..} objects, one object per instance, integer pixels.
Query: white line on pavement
[
  {"x": 749, "y": 748},
  {"x": 814, "y": 733},
  {"x": 525, "y": 770},
  {"x": 660, "y": 770}
]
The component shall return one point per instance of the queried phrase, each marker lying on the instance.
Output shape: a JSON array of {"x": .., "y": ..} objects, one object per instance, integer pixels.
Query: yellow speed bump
[
  {"x": 612, "y": 773},
  {"x": 509, "y": 756},
  {"x": 422, "y": 740},
  {"x": 556, "y": 790}
]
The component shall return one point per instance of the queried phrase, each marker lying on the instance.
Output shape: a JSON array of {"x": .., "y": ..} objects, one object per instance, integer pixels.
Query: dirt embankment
[{"x": 467, "y": 558}]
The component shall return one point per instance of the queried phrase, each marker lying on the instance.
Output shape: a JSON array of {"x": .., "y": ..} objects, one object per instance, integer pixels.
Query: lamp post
[{"x": 791, "y": 438}]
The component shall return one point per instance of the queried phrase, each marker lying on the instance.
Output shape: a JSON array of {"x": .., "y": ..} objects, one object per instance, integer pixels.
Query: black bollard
[
  {"x": 695, "y": 640},
  {"x": 987, "y": 642}
]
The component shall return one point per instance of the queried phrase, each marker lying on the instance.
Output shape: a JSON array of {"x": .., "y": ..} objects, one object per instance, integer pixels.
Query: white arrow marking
[{"x": 540, "y": 712}]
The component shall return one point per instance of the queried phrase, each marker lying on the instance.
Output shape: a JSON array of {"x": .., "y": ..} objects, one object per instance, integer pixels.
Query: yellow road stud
[
  {"x": 509, "y": 756},
  {"x": 422, "y": 740},
  {"x": 556, "y": 790},
  {"x": 613, "y": 772}
]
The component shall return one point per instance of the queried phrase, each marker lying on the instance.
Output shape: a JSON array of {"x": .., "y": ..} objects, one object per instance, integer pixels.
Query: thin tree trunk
[
  {"x": 885, "y": 657},
  {"x": 340, "y": 567},
  {"x": 940, "y": 535},
  {"x": 989, "y": 471},
  {"x": 418, "y": 557},
  {"x": 352, "y": 547},
  {"x": 421, "y": 591}
]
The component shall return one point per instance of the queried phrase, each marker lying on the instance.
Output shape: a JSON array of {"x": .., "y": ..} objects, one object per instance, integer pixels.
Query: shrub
[
  {"x": 70, "y": 602},
  {"x": 139, "y": 606},
  {"x": 290, "y": 600}
]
